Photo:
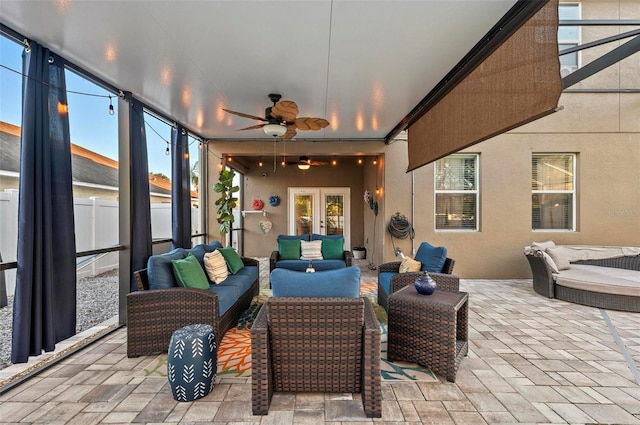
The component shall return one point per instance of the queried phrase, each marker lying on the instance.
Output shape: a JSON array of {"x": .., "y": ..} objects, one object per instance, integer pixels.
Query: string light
[
  {"x": 334, "y": 162},
  {"x": 111, "y": 111},
  {"x": 359, "y": 161},
  {"x": 168, "y": 151},
  {"x": 375, "y": 161}
]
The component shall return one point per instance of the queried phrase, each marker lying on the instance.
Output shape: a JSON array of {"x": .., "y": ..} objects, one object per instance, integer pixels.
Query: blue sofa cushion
[
  {"x": 243, "y": 279},
  {"x": 160, "y": 269},
  {"x": 227, "y": 295},
  {"x": 384, "y": 281},
  {"x": 298, "y": 265},
  {"x": 328, "y": 265},
  {"x": 342, "y": 283},
  {"x": 431, "y": 257},
  {"x": 198, "y": 251}
]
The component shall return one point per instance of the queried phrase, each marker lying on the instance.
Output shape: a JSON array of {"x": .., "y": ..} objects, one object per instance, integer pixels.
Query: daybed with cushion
[
  {"x": 175, "y": 291},
  {"x": 326, "y": 252},
  {"x": 598, "y": 276},
  {"x": 396, "y": 275},
  {"x": 325, "y": 339}
]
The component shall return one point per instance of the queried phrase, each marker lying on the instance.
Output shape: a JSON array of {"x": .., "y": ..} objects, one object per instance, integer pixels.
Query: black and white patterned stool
[{"x": 192, "y": 362}]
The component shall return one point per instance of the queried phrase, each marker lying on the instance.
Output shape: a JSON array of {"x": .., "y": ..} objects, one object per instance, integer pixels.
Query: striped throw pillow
[
  {"x": 216, "y": 266},
  {"x": 311, "y": 250}
]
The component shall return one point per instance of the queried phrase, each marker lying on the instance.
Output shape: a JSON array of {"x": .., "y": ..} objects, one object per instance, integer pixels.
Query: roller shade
[{"x": 517, "y": 83}]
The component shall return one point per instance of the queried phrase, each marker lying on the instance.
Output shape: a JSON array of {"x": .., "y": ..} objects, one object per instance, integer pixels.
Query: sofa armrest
[
  {"x": 273, "y": 259},
  {"x": 153, "y": 316},
  {"x": 348, "y": 258},
  {"x": 250, "y": 262},
  {"x": 371, "y": 381},
  {"x": 261, "y": 385},
  {"x": 393, "y": 267},
  {"x": 543, "y": 282}
]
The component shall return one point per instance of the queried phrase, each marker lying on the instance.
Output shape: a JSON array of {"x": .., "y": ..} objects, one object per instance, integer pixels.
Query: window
[
  {"x": 553, "y": 191},
  {"x": 456, "y": 190},
  {"x": 568, "y": 36}
]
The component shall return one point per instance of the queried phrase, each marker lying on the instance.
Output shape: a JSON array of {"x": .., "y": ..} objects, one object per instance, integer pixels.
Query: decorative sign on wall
[{"x": 265, "y": 226}]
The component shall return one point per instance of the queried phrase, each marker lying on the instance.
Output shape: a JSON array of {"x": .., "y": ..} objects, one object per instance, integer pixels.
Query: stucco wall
[
  {"x": 261, "y": 182},
  {"x": 608, "y": 182}
]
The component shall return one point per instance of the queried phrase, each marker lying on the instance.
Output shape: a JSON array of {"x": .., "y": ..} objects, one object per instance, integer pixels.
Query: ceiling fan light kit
[{"x": 274, "y": 130}]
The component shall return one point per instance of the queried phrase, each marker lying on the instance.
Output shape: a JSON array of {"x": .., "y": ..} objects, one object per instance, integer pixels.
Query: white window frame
[
  {"x": 572, "y": 191},
  {"x": 475, "y": 192},
  {"x": 572, "y": 42}
]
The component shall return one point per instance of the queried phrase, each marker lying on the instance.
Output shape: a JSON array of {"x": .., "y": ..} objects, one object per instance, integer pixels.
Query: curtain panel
[
  {"x": 517, "y": 83},
  {"x": 180, "y": 189},
  {"x": 44, "y": 308},
  {"x": 141, "y": 247}
]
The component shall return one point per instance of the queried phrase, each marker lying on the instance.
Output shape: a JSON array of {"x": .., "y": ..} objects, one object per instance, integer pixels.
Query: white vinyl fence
[{"x": 96, "y": 224}]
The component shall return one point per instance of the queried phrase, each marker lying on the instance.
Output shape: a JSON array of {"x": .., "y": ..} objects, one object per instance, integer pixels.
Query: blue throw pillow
[
  {"x": 342, "y": 283},
  {"x": 431, "y": 257},
  {"x": 315, "y": 237},
  {"x": 160, "y": 269}
]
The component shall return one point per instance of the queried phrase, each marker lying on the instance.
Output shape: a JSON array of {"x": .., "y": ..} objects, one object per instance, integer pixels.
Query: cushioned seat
[{"x": 342, "y": 283}]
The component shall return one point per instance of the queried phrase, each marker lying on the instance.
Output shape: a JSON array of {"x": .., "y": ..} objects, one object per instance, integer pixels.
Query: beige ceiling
[{"x": 363, "y": 65}]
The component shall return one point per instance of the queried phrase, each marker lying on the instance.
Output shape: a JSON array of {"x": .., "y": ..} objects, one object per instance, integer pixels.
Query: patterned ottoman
[{"x": 192, "y": 362}]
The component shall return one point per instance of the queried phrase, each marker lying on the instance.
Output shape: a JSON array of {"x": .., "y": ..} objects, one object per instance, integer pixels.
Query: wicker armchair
[
  {"x": 316, "y": 345},
  {"x": 445, "y": 280},
  {"x": 153, "y": 315}
]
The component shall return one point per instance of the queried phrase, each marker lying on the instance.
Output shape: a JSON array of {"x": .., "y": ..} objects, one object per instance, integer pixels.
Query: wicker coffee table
[{"x": 431, "y": 330}]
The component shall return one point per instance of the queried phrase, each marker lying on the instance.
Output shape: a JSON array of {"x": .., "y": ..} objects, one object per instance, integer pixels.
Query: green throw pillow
[
  {"x": 289, "y": 249},
  {"x": 332, "y": 249},
  {"x": 189, "y": 273},
  {"x": 232, "y": 258}
]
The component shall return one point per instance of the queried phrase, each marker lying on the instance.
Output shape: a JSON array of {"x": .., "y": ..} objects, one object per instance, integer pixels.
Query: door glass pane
[
  {"x": 334, "y": 214},
  {"x": 304, "y": 214}
]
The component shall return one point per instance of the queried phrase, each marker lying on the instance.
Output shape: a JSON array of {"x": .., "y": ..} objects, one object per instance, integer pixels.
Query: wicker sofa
[
  {"x": 154, "y": 313},
  {"x": 276, "y": 261},
  {"x": 602, "y": 277}
]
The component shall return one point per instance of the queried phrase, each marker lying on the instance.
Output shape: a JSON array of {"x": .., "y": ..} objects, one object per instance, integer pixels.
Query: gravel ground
[{"x": 97, "y": 301}]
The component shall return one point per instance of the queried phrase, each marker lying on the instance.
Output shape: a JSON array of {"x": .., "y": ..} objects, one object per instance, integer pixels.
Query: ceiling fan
[
  {"x": 280, "y": 120},
  {"x": 304, "y": 163}
]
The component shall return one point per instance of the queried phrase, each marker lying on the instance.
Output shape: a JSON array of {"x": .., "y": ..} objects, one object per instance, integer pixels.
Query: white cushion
[
  {"x": 311, "y": 250},
  {"x": 550, "y": 262},
  {"x": 607, "y": 280},
  {"x": 215, "y": 266},
  {"x": 559, "y": 257},
  {"x": 543, "y": 246}
]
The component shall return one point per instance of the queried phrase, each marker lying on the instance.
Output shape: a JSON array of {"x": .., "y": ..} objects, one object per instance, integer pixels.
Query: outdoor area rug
[{"x": 234, "y": 352}]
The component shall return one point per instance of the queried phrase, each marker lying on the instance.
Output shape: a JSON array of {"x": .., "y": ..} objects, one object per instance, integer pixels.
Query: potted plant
[{"x": 227, "y": 201}]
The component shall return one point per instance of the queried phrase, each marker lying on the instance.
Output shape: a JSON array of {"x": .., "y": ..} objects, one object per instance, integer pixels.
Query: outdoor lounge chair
[
  {"x": 433, "y": 260},
  {"x": 316, "y": 345}
]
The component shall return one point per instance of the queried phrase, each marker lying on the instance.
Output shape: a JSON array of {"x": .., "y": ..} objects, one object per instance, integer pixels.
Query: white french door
[{"x": 322, "y": 210}]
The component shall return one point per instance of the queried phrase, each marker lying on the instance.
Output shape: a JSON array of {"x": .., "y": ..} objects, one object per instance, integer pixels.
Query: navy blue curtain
[
  {"x": 140, "y": 202},
  {"x": 180, "y": 189},
  {"x": 44, "y": 307}
]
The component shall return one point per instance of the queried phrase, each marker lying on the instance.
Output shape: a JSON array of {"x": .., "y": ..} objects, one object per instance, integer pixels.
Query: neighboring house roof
[{"x": 87, "y": 166}]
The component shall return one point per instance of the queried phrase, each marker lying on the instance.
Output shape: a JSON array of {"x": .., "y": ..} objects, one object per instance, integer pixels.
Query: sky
[{"x": 90, "y": 124}]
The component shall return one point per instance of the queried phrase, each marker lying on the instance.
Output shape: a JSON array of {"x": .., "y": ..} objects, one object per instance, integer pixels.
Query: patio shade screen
[{"x": 517, "y": 83}]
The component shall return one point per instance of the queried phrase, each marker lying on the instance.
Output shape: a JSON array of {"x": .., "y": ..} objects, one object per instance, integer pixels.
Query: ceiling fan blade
[
  {"x": 309, "y": 123},
  {"x": 291, "y": 132},
  {"x": 318, "y": 163},
  {"x": 285, "y": 109},
  {"x": 253, "y": 127},
  {"x": 241, "y": 114}
]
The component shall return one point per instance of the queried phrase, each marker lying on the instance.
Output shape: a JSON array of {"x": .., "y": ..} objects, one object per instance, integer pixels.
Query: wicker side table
[{"x": 431, "y": 330}]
